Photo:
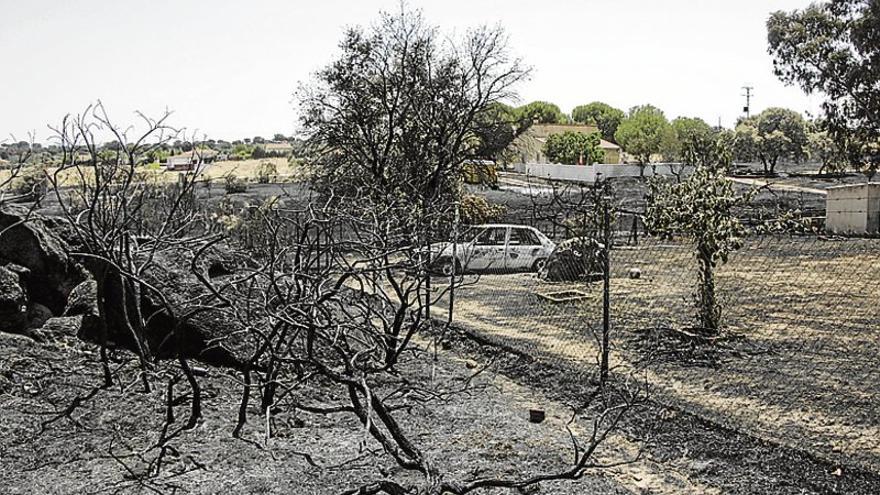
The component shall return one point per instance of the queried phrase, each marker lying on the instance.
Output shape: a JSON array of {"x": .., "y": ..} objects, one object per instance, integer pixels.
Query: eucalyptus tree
[{"x": 831, "y": 48}]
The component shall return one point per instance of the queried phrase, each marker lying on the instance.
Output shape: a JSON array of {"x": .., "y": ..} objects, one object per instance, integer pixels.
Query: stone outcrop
[
  {"x": 42, "y": 284},
  {"x": 31, "y": 244}
]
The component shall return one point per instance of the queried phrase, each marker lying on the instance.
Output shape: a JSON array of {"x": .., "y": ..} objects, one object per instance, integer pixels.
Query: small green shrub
[
  {"x": 234, "y": 185},
  {"x": 474, "y": 210},
  {"x": 267, "y": 172},
  {"x": 31, "y": 184}
]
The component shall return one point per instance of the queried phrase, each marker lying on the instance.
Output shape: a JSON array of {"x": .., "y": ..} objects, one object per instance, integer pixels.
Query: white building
[
  {"x": 853, "y": 209},
  {"x": 188, "y": 161}
]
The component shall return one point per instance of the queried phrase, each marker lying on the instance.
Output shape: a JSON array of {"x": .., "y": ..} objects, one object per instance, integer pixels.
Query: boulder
[
  {"x": 212, "y": 336},
  {"x": 39, "y": 281},
  {"x": 69, "y": 326},
  {"x": 38, "y": 315},
  {"x": 203, "y": 335},
  {"x": 83, "y": 299},
  {"x": 13, "y": 302},
  {"x": 32, "y": 243}
]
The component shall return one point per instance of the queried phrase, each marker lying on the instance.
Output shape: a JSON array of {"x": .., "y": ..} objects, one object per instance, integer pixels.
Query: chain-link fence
[{"x": 795, "y": 362}]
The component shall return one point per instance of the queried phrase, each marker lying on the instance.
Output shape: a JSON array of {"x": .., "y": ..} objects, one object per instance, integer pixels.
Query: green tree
[
  {"x": 574, "y": 148},
  {"x": 602, "y": 115},
  {"x": 690, "y": 136},
  {"x": 745, "y": 148},
  {"x": 495, "y": 128},
  {"x": 773, "y": 135},
  {"x": 541, "y": 112},
  {"x": 643, "y": 133},
  {"x": 267, "y": 172},
  {"x": 242, "y": 151},
  {"x": 824, "y": 149},
  {"x": 414, "y": 148},
  {"x": 702, "y": 207},
  {"x": 831, "y": 48}
]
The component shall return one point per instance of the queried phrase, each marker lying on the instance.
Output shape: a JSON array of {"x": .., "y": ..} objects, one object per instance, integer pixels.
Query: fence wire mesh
[{"x": 796, "y": 362}]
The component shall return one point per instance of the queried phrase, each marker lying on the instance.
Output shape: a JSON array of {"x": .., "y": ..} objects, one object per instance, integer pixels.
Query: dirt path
[{"x": 778, "y": 187}]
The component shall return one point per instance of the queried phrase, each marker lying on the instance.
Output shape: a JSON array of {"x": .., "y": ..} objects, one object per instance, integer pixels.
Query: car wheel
[{"x": 539, "y": 264}]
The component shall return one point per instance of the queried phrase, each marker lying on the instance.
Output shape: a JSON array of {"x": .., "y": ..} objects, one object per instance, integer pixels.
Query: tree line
[{"x": 774, "y": 136}]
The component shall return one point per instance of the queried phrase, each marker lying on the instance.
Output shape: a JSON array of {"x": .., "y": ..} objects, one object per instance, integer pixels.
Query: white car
[{"x": 493, "y": 247}]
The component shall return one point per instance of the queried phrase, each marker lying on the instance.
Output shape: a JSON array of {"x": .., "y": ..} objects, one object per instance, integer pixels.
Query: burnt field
[
  {"x": 782, "y": 402},
  {"x": 797, "y": 364}
]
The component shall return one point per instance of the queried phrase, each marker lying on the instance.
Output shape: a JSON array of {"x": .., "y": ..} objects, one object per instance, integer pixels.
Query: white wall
[
  {"x": 589, "y": 173},
  {"x": 576, "y": 173}
]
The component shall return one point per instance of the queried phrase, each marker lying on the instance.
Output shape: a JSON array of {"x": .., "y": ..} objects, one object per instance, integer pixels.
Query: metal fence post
[{"x": 606, "y": 292}]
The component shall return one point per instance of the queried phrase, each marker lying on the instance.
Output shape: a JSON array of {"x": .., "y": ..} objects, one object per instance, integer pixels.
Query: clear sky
[{"x": 229, "y": 68}]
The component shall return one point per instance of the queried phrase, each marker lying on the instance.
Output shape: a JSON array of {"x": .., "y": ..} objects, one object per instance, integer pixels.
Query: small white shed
[{"x": 853, "y": 209}]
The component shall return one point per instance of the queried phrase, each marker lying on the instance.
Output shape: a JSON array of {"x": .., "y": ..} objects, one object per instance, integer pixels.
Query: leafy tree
[
  {"x": 495, "y": 129},
  {"x": 745, "y": 143},
  {"x": 242, "y": 151},
  {"x": 574, "y": 148},
  {"x": 267, "y": 172},
  {"x": 541, "y": 112},
  {"x": 725, "y": 142},
  {"x": 643, "y": 133},
  {"x": 690, "y": 135},
  {"x": 824, "y": 149},
  {"x": 279, "y": 137},
  {"x": 702, "y": 207},
  {"x": 476, "y": 210},
  {"x": 602, "y": 115},
  {"x": 775, "y": 134},
  {"x": 396, "y": 114},
  {"x": 259, "y": 152},
  {"x": 832, "y": 48},
  {"x": 157, "y": 155},
  {"x": 699, "y": 145}
]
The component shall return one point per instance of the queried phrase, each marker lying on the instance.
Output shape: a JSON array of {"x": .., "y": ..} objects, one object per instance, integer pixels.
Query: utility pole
[{"x": 748, "y": 95}]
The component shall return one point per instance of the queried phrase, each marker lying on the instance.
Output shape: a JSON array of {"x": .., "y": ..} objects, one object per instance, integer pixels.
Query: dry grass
[{"x": 243, "y": 169}]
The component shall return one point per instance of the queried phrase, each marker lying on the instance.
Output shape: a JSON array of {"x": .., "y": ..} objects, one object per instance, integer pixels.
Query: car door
[
  {"x": 523, "y": 249},
  {"x": 487, "y": 250}
]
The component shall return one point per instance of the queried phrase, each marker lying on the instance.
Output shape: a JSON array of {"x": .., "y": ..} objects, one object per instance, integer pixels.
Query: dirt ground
[
  {"x": 791, "y": 408},
  {"x": 101, "y": 445},
  {"x": 806, "y": 311}
]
